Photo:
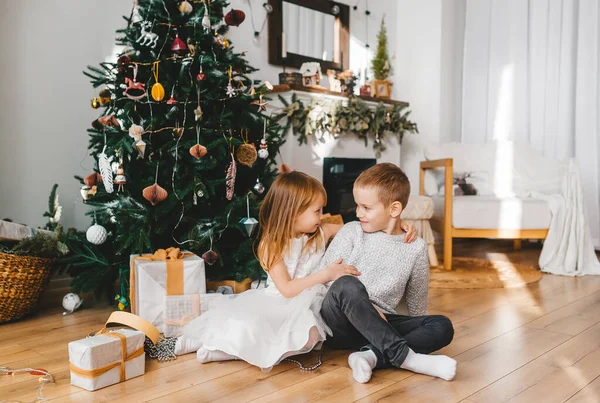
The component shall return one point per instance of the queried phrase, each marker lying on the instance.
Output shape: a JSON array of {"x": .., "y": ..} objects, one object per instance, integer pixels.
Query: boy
[{"x": 361, "y": 310}]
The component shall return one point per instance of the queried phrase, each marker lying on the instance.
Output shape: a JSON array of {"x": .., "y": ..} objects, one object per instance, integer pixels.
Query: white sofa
[{"x": 501, "y": 174}]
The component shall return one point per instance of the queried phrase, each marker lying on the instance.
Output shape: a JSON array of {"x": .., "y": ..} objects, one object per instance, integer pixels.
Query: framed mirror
[{"x": 309, "y": 31}]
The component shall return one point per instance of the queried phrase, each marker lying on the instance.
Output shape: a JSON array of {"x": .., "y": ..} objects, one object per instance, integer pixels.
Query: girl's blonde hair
[{"x": 289, "y": 196}]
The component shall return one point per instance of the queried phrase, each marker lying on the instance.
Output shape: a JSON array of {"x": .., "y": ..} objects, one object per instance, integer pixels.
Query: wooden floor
[{"x": 534, "y": 344}]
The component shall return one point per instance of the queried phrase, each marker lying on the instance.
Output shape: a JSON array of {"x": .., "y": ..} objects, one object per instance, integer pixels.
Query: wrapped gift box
[
  {"x": 166, "y": 273},
  {"x": 106, "y": 359}
]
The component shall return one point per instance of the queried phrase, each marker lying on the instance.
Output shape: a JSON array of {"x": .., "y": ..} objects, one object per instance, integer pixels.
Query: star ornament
[
  {"x": 262, "y": 104},
  {"x": 230, "y": 90}
]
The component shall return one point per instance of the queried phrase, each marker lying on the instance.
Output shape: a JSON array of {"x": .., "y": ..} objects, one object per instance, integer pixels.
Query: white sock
[
  {"x": 205, "y": 356},
  {"x": 440, "y": 366},
  {"x": 185, "y": 345},
  {"x": 362, "y": 364}
]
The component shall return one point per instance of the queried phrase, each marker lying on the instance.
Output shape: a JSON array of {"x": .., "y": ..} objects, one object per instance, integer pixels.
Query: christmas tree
[
  {"x": 175, "y": 147},
  {"x": 381, "y": 62}
]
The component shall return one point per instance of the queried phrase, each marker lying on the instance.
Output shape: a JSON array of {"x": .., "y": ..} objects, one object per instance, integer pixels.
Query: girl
[{"x": 264, "y": 326}]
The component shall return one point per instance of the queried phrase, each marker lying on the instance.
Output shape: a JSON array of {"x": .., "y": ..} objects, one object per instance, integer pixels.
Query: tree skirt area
[{"x": 480, "y": 273}]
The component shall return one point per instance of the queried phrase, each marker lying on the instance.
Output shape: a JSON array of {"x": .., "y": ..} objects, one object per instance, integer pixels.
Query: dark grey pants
[{"x": 356, "y": 325}]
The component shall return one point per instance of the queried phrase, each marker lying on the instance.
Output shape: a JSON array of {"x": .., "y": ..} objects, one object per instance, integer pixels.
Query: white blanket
[{"x": 568, "y": 248}]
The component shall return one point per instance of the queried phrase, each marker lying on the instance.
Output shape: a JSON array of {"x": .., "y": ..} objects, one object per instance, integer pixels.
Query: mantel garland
[{"x": 328, "y": 117}]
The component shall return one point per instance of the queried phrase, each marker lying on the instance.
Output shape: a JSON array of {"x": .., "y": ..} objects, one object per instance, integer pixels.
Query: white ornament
[
  {"x": 185, "y": 7},
  {"x": 106, "y": 172},
  {"x": 136, "y": 131},
  {"x": 206, "y": 21},
  {"x": 96, "y": 234},
  {"x": 71, "y": 302},
  {"x": 147, "y": 38},
  {"x": 263, "y": 153},
  {"x": 230, "y": 91}
]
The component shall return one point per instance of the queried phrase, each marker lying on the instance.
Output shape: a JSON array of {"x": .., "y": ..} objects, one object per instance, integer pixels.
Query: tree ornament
[
  {"x": 141, "y": 147},
  {"x": 123, "y": 63},
  {"x": 210, "y": 256},
  {"x": 206, "y": 18},
  {"x": 105, "y": 97},
  {"x": 246, "y": 153},
  {"x": 178, "y": 45},
  {"x": 178, "y": 131},
  {"x": 230, "y": 91},
  {"x": 388, "y": 118},
  {"x": 95, "y": 103},
  {"x": 92, "y": 179},
  {"x": 120, "y": 179},
  {"x": 105, "y": 171},
  {"x": 172, "y": 100},
  {"x": 71, "y": 302},
  {"x": 132, "y": 86},
  {"x": 263, "y": 152},
  {"x": 231, "y": 174},
  {"x": 158, "y": 91},
  {"x": 235, "y": 17},
  {"x": 198, "y": 151},
  {"x": 262, "y": 105},
  {"x": 248, "y": 222},
  {"x": 185, "y": 7},
  {"x": 136, "y": 131},
  {"x": 135, "y": 14},
  {"x": 377, "y": 139},
  {"x": 225, "y": 43},
  {"x": 198, "y": 113},
  {"x": 109, "y": 121},
  {"x": 147, "y": 37},
  {"x": 96, "y": 234},
  {"x": 259, "y": 188},
  {"x": 154, "y": 193},
  {"x": 201, "y": 76},
  {"x": 87, "y": 192}
]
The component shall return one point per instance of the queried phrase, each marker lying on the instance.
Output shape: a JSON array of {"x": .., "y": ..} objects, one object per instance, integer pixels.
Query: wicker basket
[{"x": 22, "y": 282}]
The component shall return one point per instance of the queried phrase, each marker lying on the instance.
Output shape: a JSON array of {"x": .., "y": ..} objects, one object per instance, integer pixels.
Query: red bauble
[
  {"x": 178, "y": 45},
  {"x": 201, "y": 76},
  {"x": 122, "y": 63},
  {"x": 235, "y": 17},
  {"x": 210, "y": 257}
]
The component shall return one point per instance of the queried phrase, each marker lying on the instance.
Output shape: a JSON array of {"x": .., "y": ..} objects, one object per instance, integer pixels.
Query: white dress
[{"x": 262, "y": 327}]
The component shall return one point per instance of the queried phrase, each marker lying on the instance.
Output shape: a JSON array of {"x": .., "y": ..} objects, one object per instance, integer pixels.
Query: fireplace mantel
[
  {"x": 301, "y": 89},
  {"x": 309, "y": 158}
]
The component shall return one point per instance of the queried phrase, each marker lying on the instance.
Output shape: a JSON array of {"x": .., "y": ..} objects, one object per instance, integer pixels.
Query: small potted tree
[{"x": 381, "y": 87}]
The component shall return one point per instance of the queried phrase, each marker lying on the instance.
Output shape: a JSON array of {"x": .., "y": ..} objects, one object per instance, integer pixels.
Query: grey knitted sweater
[{"x": 389, "y": 267}]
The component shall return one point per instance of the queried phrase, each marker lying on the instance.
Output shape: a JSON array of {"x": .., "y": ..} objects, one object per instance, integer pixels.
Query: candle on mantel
[{"x": 283, "y": 52}]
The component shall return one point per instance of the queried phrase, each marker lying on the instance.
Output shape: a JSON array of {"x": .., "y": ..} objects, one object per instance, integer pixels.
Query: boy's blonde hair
[
  {"x": 289, "y": 196},
  {"x": 390, "y": 182}
]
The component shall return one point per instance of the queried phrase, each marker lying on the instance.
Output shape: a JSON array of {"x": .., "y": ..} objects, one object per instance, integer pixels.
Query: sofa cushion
[{"x": 489, "y": 212}]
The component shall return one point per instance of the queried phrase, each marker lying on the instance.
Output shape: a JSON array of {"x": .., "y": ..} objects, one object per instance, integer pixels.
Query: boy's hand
[
  {"x": 411, "y": 231},
  {"x": 380, "y": 313},
  {"x": 336, "y": 270}
]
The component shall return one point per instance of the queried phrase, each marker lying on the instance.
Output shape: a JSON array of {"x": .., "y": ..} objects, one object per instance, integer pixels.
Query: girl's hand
[
  {"x": 411, "y": 231},
  {"x": 336, "y": 270}
]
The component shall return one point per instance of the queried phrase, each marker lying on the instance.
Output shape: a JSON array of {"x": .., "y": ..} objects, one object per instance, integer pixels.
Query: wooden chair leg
[
  {"x": 447, "y": 250},
  {"x": 517, "y": 244}
]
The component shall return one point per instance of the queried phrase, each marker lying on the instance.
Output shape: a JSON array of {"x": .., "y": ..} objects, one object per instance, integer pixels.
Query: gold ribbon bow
[
  {"x": 174, "y": 259},
  {"x": 93, "y": 373}
]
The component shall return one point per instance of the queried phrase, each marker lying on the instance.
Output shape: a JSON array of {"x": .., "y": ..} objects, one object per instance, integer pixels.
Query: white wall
[
  {"x": 429, "y": 71},
  {"x": 46, "y": 99}
]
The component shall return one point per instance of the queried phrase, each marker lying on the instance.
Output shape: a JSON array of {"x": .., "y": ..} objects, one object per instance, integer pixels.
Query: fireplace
[{"x": 339, "y": 175}]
